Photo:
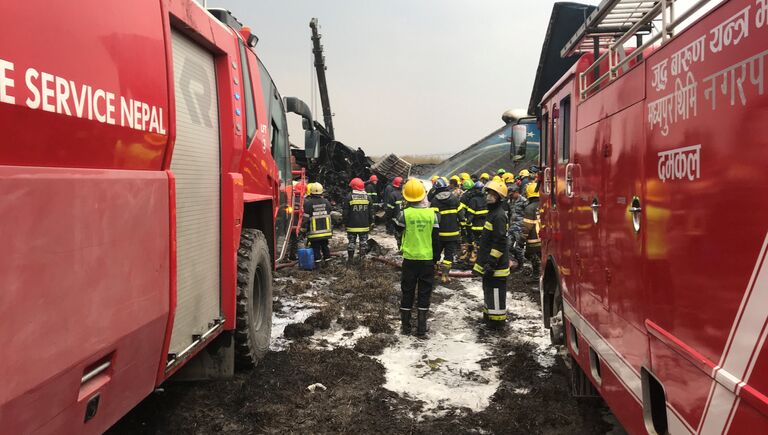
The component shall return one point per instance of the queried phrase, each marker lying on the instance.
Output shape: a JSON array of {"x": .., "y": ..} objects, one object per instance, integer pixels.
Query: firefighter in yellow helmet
[
  {"x": 531, "y": 227},
  {"x": 420, "y": 225},
  {"x": 317, "y": 219},
  {"x": 493, "y": 257},
  {"x": 484, "y": 177},
  {"x": 465, "y": 176}
]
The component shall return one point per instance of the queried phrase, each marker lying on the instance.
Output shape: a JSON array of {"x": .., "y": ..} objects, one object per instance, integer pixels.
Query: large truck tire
[{"x": 254, "y": 299}]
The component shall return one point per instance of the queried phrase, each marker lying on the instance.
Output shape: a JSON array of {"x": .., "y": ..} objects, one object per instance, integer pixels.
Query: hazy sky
[{"x": 404, "y": 76}]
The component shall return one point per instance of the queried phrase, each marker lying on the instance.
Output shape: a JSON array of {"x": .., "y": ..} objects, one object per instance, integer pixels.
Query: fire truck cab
[
  {"x": 145, "y": 182},
  {"x": 654, "y": 239}
]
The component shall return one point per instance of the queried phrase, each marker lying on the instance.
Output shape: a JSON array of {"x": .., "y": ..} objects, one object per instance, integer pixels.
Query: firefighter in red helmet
[
  {"x": 372, "y": 189},
  {"x": 358, "y": 217},
  {"x": 394, "y": 201}
]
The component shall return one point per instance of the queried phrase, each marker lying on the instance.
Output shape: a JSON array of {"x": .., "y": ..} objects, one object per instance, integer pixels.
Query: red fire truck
[
  {"x": 654, "y": 240},
  {"x": 145, "y": 187}
]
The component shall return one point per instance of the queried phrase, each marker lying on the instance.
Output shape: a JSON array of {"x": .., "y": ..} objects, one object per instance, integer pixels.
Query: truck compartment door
[{"x": 196, "y": 166}]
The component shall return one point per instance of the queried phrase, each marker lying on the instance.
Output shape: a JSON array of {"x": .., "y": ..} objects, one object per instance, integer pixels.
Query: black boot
[
  {"x": 350, "y": 257},
  {"x": 421, "y": 327},
  {"x": 405, "y": 320}
]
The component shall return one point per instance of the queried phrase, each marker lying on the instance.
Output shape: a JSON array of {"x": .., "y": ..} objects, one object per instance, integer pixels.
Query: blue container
[{"x": 306, "y": 259}]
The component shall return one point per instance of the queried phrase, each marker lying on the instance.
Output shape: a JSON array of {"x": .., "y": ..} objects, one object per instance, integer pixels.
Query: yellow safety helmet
[
  {"x": 414, "y": 191},
  {"x": 498, "y": 187},
  {"x": 456, "y": 179},
  {"x": 465, "y": 176},
  {"x": 485, "y": 176},
  {"x": 497, "y": 179},
  {"x": 309, "y": 189},
  {"x": 434, "y": 178},
  {"x": 508, "y": 177},
  {"x": 524, "y": 173},
  {"x": 531, "y": 190},
  {"x": 316, "y": 189}
]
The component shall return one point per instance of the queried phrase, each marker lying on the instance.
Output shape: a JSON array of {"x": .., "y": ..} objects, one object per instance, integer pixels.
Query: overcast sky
[{"x": 404, "y": 76}]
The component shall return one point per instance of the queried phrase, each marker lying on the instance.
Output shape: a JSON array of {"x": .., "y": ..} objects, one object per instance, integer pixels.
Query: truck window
[
  {"x": 565, "y": 129},
  {"x": 250, "y": 109}
]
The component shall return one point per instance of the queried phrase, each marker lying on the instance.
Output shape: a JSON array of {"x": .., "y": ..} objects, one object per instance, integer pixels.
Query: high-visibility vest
[{"x": 417, "y": 237}]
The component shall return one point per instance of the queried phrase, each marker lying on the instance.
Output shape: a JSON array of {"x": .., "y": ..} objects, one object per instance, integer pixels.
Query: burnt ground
[{"x": 531, "y": 398}]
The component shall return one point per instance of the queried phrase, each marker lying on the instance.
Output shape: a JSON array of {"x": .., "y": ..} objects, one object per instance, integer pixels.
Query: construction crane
[{"x": 320, "y": 67}]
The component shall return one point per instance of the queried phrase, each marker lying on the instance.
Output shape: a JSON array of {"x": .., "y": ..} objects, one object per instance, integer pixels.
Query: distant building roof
[{"x": 565, "y": 20}]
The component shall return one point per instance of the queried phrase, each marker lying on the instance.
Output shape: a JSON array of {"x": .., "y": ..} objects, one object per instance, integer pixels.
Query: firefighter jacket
[
  {"x": 317, "y": 215},
  {"x": 447, "y": 205},
  {"x": 473, "y": 201},
  {"x": 420, "y": 228},
  {"x": 517, "y": 209},
  {"x": 493, "y": 253},
  {"x": 373, "y": 193},
  {"x": 394, "y": 202},
  {"x": 358, "y": 212},
  {"x": 531, "y": 224}
]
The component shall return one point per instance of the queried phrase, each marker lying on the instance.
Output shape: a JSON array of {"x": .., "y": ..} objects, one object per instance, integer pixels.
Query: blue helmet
[
  {"x": 440, "y": 183},
  {"x": 479, "y": 185}
]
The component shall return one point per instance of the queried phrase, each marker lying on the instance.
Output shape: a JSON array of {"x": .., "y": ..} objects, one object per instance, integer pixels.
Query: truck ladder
[{"x": 613, "y": 24}]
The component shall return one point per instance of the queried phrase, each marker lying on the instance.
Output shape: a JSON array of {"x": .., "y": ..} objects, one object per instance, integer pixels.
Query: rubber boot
[
  {"x": 473, "y": 255},
  {"x": 421, "y": 326},
  {"x": 445, "y": 271},
  {"x": 350, "y": 257},
  {"x": 405, "y": 322}
]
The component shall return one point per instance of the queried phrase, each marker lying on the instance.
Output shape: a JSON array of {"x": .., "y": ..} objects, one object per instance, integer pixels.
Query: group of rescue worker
[{"x": 476, "y": 221}]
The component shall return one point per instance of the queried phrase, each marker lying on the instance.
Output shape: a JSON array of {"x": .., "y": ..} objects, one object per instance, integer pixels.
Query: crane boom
[{"x": 320, "y": 67}]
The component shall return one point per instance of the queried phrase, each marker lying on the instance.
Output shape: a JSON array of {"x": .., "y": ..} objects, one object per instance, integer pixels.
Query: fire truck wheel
[{"x": 254, "y": 299}]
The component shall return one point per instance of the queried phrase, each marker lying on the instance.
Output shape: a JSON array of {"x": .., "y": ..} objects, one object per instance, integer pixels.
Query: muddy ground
[{"x": 338, "y": 328}]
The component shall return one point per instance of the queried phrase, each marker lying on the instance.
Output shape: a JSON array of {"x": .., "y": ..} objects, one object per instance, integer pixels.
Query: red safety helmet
[
  {"x": 357, "y": 184},
  {"x": 397, "y": 181},
  {"x": 373, "y": 178}
]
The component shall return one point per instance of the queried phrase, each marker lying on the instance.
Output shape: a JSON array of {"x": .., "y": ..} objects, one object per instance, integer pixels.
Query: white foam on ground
[
  {"x": 444, "y": 370},
  {"x": 527, "y": 326},
  {"x": 336, "y": 337}
]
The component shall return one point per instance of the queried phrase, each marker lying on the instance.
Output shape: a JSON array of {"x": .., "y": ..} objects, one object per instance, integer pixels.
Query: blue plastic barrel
[{"x": 306, "y": 259}]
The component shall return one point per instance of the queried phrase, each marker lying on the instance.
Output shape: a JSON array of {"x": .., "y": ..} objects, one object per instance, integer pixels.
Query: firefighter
[
  {"x": 474, "y": 178},
  {"x": 392, "y": 200},
  {"x": 517, "y": 204},
  {"x": 432, "y": 190},
  {"x": 466, "y": 224},
  {"x": 501, "y": 172},
  {"x": 531, "y": 227},
  {"x": 454, "y": 183},
  {"x": 464, "y": 176},
  {"x": 493, "y": 258},
  {"x": 525, "y": 178},
  {"x": 445, "y": 203},
  {"x": 484, "y": 177},
  {"x": 358, "y": 219},
  {"x": 394, "y": 204},
  {"x": 317, "y": 219},
  {"x": 477, "y": 210},
  {"x": 420, "y": 225},
  {"x": 371, "y": 188}
]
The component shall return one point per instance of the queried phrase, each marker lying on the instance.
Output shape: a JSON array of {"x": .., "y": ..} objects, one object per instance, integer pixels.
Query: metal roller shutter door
[{"x": 196, "y": 165}]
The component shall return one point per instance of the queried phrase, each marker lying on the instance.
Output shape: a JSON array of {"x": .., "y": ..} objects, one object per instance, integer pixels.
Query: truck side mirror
[
  {"x": 519, "y": 141},
  {"x": 311, "y": 150}
]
